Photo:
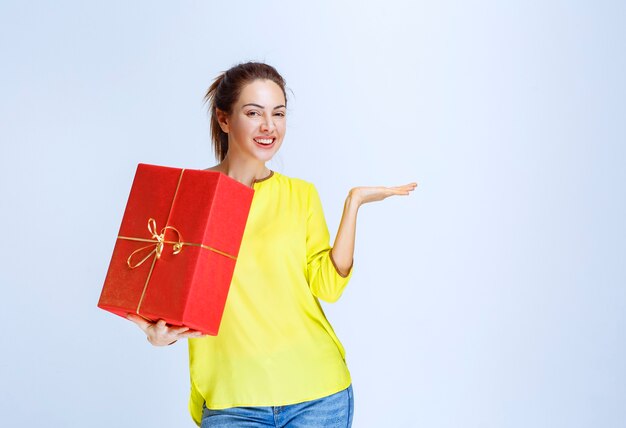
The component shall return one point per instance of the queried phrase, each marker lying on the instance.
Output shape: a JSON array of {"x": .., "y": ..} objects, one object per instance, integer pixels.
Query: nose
[{"x": 267, "y": 125}]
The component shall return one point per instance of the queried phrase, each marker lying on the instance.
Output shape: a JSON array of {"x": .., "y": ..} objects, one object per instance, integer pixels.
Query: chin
[{"x": 265, "y": 156}]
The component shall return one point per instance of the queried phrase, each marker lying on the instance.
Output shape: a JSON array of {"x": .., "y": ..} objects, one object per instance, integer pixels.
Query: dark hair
[{"x": 225, "y": 91}]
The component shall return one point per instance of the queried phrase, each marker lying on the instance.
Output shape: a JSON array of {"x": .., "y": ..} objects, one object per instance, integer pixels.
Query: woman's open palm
[{"x": 365, "y": 194}]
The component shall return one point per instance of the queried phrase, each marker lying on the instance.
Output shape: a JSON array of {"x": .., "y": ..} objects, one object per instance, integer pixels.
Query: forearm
[{"x": 342, "y": 252}]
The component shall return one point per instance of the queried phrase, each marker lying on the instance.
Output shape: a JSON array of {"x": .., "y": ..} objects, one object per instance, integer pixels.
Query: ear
[{"x": 222, "y": 118}]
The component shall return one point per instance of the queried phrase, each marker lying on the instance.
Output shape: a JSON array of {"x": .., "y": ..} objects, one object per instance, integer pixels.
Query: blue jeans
[{"x": 332, "y": 411}]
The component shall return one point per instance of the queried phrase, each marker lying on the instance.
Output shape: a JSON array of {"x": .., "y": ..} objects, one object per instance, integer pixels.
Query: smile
[{"x": 264, "y": 142}]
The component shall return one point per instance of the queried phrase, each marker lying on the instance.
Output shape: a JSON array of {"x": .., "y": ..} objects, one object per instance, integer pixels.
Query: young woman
[{"x": 276, "y": 361}]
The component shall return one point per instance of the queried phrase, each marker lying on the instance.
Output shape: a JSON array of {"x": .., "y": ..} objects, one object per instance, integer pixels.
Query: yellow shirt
[{"x": 275, "y": 346}]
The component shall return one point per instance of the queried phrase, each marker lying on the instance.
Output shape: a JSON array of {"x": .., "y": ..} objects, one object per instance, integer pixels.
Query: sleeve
[{"x": 323, "y": 276}]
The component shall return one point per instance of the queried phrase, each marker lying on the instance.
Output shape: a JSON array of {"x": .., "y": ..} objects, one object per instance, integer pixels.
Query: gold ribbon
[{"x": 157, "y": 243}]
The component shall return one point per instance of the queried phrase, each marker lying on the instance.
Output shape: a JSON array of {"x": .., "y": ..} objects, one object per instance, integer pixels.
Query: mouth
[{"x": 266, "y": 143}]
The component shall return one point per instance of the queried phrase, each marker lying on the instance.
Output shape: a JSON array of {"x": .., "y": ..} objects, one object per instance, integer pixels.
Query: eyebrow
[{"x": 259, "y": 106}]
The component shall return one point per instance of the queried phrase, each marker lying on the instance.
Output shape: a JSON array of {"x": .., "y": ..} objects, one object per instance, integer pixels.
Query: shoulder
[{"x": 295, "y": 184}]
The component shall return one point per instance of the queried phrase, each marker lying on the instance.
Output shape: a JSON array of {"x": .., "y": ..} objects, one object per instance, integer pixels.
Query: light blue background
[{"x": 493, "y": 296}]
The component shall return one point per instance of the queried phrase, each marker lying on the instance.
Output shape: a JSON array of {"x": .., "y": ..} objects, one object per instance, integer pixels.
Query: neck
[{"x": 244, "y": 171}]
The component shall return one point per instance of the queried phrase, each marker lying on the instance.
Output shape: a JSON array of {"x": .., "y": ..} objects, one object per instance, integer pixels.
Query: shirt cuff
[{"x": 330, "y": 253}]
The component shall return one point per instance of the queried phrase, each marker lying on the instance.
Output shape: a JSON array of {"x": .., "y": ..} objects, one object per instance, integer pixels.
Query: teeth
[{"x": 266, "y": 141}]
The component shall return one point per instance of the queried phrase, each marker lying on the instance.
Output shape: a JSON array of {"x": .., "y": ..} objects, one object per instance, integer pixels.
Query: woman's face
[{"x": 258, "y": 117}]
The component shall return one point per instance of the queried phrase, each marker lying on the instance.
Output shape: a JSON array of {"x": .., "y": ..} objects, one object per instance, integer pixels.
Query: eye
[
  {"x": 281, "y": 114},
  {"x": 251, "y": 112}
]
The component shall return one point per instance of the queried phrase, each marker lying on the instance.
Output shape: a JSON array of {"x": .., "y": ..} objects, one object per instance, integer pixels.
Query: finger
[
  {"x": 406, "y": 186},
  {"x": 192, "y": 334},
  {"x": 191, "y": 330},
  {"x": 401, "y": 190},
  {"x": 179, "y": 329},
  {"x": 142, "y": 323},
  {"x": 409, "y": 185},
  {"x": 161, "y": 324},
  {"x": 397, "y": 192}
]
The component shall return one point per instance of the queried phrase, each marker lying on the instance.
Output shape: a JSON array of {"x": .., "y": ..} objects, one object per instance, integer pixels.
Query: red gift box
[{"x": 177, "y": 247}]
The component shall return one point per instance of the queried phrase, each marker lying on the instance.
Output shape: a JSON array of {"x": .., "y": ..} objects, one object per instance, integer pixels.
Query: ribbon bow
[{"x": 158, "y": 240}]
